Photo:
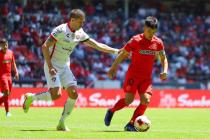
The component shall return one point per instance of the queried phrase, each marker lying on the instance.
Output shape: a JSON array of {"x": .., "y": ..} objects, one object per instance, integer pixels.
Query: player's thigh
[
  {"x": 130, "y": 88},
  {"x": 130, "y": 84},
  {"x": 67, "y": 78},
  {"x": 145, "y": 85},
  {"x": 52, "y": 81},
  {"x": 145, "y": 91}
]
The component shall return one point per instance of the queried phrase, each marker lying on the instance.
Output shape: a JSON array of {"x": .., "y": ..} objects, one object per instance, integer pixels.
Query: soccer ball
[{"x": 142, "y": 123}]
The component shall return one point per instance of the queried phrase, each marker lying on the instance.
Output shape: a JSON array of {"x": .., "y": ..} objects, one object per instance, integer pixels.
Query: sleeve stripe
[
  {"x": 162, "y": 52},
  {"x": 85, "y": 40},
  {"x": 53, "y": 37}
]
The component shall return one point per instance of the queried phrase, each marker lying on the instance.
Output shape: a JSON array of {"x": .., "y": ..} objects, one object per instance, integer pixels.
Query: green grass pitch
[{"x": 40, "y": 123}]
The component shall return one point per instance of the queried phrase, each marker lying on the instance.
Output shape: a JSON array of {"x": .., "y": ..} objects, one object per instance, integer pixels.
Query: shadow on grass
[
  {"x": 34, "y": 130},
  {"x": 109, "y": 131}
]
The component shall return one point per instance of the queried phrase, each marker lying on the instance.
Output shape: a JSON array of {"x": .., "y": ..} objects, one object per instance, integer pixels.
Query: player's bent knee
[
  {"x": 145, "y": 101},
  {"x": 129, "y": 97},
  {"x": 73, "y": 94},
  {"x": 128, "y": 101},
  {"x": 55, "y": 93},
  {"x": 57, "y": 96}
]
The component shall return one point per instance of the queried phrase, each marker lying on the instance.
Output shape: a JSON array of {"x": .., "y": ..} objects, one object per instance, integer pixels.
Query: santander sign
[
  {"x": 167, "y": 98},
  {"x": 185, "y": 100}
]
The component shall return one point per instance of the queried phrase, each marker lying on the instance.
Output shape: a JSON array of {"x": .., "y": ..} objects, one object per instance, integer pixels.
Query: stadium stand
[{"x": 185, "y": 32}]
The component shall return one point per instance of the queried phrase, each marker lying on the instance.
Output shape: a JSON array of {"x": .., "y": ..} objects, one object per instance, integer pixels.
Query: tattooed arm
[{"x": 45, "y": 50}]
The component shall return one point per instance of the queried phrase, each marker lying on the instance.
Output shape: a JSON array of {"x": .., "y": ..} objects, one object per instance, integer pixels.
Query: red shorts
[
  {"x": 5, "y": 84},
  {"x": 133, "y": 83}
]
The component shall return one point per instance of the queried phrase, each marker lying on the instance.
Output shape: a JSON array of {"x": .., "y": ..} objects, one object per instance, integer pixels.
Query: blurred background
[{"x": 184, "y": 28}]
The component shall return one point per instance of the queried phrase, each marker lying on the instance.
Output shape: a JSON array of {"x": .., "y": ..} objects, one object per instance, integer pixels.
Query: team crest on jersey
[{"x": 153, "y": 46}]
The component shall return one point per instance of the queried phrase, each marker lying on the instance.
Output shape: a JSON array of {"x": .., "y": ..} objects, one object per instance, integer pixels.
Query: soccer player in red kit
[
  {"x": 143, "y": 48},
  {"x": 7, "y": 62}
]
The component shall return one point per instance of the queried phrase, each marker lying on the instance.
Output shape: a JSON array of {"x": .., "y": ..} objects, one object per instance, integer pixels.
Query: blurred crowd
[{"x": 186, "y": 38}]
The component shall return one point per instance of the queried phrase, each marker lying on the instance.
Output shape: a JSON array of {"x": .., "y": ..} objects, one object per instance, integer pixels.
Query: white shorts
[{"x": 63, "y": 78}]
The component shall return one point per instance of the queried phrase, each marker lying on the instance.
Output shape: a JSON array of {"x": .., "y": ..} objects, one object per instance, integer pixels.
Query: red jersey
[
  {"x": 143, "y": 54},
  {"x": 6, "y": 61}
]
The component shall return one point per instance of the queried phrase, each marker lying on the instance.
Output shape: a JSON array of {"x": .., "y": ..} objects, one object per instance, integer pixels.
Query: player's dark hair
[
  {"x": 77, "y": 13},
  {"x": 3, "y": 40},
  {"x": 151, "y": 22}
]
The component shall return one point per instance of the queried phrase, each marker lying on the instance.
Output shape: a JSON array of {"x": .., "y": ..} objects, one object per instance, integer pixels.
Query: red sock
[
  {"x": 138, "y": 112},
  {"x": 2, "y": 99},
  {"x": 6, "y": 104},
  {"x": 119, "y": 105}
]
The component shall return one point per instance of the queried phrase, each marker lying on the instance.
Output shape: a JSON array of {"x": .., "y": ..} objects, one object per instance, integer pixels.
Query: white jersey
[{"x": 66, "y": 41}]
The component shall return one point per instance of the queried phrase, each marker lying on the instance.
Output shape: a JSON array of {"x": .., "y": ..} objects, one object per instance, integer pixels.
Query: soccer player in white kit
[{"x": 56, "y": 50}]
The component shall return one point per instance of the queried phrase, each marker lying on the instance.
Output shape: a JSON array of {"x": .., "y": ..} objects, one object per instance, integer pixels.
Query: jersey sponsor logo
[
  {"x": 69, "y": 50},
  {"x": 68, "y": 35},
  {"x": 148, "y": 52},
  {"x": 66, "y": 40},
  {"x": 57, "y": 31},
  {"x": 53, "y": 79}
]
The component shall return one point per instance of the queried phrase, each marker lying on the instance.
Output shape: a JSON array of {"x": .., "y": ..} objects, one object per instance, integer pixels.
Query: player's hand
[
  {"x": 112, "y": 72},
  {"x": 16, "y": 76},
  {"x": 120, "y": 50},
  {"x": 52, "y": 71},
  {"x": 116, "y": 51},
  {"x": 163, "y": 76}
]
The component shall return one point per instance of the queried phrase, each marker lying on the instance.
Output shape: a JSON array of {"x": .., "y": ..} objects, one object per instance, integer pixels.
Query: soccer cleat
[
  {"x": 27, "y": 102},
  {"x": 61, "y": 127},
  {"x": 108, "y": 117},
  {"x": 8, "y": 114},
  {"x": 130, "y": 127}
]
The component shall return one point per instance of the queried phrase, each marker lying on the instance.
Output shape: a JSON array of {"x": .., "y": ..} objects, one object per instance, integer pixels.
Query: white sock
[
  {"x": 68, "y": 107},
  {"x": 42, "y": 96}
]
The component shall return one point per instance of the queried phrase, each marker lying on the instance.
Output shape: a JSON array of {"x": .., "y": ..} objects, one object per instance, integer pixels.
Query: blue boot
[
  {"x": 130, "y": 127},
  {"x": 108, "y": 117}
]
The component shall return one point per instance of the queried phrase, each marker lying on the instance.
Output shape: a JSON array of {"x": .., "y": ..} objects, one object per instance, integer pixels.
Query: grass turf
[{"x": 40, "y": 123}]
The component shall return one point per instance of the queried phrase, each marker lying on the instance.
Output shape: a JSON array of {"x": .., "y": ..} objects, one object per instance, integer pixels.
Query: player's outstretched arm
[
  {"x": 100, "y": 46},
  {"x": 164, "y": 63},
  {"x": 113, "y": 70}
]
